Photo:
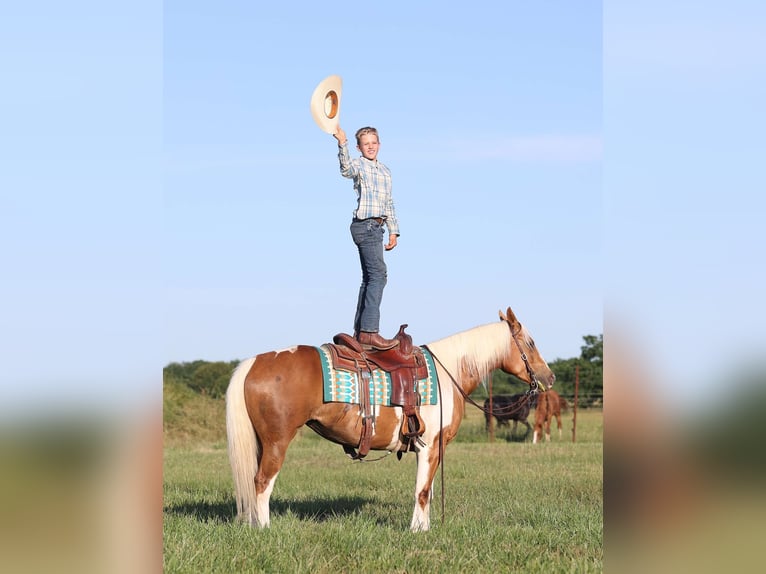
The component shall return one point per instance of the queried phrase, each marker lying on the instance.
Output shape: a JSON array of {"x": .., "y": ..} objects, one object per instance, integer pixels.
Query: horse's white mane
[{"x": 479, "y": 350}]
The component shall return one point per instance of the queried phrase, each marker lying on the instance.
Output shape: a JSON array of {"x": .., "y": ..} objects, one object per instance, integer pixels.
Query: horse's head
[{"x": 523, "y": 359}]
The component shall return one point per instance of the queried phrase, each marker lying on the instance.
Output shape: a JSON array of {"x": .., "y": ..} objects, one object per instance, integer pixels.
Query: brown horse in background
[
  {"x": 271, "y": 396},
  {"x": 549, "y": 405}
]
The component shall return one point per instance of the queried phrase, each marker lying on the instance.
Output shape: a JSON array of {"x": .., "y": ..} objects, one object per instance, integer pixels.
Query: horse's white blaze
[
  {"x": 243, "y": 453},
  {"x": 262, "y": 517}
]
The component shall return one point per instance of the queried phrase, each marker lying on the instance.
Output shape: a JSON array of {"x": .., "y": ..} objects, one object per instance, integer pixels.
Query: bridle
[{"x": 538, "y": 386}]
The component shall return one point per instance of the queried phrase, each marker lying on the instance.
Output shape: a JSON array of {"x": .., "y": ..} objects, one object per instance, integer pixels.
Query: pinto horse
[
  {"x": 549, "y": 405},
  {"x": 274, "y": 394}
]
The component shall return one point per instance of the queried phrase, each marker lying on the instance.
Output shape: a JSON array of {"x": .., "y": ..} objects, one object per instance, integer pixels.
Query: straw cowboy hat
[{"x": 325, "y": 103}]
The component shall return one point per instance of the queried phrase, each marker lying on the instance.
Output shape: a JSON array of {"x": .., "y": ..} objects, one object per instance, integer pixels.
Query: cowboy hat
[{"x": 325, "y": 103}]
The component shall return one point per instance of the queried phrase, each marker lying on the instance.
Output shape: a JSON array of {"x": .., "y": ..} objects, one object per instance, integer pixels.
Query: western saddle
[{"x": 405, "y": 364}]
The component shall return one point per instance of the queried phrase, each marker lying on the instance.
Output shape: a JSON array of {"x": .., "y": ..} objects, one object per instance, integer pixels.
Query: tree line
[{"x": 212, "y": 378}]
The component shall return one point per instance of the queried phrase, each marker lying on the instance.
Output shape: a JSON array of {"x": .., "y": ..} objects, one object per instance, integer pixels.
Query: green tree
[
  {"x": 206, "y": 378},
  {"x": 591, "y": 371},
  {"x": 593, "y": 350},
  {"x": 211, "y": 379},
  {"x": 181, "y": 371}
]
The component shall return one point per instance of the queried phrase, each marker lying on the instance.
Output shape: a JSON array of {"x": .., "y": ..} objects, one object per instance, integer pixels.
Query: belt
[{"x": 379, "y": 220}]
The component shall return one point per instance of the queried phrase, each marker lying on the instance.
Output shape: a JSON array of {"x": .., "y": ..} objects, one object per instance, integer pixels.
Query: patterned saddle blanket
[{"x": 343, "y": 386}]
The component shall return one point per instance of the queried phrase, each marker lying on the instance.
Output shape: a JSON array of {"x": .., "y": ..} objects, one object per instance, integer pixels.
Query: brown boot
[{"x": 373, "y": 341}]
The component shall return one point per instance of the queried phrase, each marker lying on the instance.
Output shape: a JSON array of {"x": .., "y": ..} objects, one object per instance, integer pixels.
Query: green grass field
[{"x": 510, "y": 506}]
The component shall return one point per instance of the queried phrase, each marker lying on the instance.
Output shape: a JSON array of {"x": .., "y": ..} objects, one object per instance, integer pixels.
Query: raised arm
[
  {"x": 340, "y": 135},
  {"x": 346, "y": 166}
]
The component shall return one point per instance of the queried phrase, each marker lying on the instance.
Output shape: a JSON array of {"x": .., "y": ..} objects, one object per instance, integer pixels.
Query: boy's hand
[
  {"x": 391, "y": 242},
  {"x": 340, "y": 135}
]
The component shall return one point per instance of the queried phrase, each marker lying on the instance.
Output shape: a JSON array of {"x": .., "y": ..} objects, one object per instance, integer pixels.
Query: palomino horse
[
  {"x": 549, "y": 405},
  {"x": 272, "y": 395}
]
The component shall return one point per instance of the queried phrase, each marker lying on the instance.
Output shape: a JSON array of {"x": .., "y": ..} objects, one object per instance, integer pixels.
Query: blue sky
[
  {"x": 166, "y": 195},
  {"x": 491, "y": 127}
]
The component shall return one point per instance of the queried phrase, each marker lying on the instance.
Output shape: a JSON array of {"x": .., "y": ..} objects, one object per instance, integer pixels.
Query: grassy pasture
[{"x": 511, "y": 506}]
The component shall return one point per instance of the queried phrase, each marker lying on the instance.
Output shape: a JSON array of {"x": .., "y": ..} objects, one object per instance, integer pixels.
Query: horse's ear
[
  {"x": 512, "y": 320},
  {"x": 502, "y": 317}
]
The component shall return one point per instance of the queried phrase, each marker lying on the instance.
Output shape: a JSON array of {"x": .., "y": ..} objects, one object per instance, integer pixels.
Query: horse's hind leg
[
  {"x": 272, "y": 456},
  {"x": 548, "y": 429},
  {"x": 539, "y": 428}
]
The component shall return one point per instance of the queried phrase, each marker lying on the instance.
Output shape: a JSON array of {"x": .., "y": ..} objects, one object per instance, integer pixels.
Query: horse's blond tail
[{"x": 243, "y": 446}]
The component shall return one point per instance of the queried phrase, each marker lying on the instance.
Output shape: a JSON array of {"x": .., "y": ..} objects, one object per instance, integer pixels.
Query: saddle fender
[{"x": 405, "y": 364}]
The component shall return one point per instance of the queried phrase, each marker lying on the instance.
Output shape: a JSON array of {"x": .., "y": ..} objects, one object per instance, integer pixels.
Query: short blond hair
[{"x": 364, "y": 131}]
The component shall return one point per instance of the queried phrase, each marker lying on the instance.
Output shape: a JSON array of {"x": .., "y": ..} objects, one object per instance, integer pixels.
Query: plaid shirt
[{"x": 372, "y": 184}]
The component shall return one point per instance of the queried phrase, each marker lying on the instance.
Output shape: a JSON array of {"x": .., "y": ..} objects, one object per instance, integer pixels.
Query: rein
[{"x": 381, "y": 457}]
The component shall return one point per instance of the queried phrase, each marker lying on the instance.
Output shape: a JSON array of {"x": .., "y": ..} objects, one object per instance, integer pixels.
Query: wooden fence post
[
  {"x": 491, "y": 418},
  {"x": 574, "y": 409}
]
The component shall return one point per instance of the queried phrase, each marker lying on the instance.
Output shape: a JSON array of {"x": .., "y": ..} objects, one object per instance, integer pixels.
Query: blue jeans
[{"x": 368, "y": 236}]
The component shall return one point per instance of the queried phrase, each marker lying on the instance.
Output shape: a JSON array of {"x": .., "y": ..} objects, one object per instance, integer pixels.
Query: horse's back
[
  {"x": 289, "y": 375},
  {"x": 548, "y": 404},
  {"x": 296, "y": 357},
  {"x": 554, "y": 400}
]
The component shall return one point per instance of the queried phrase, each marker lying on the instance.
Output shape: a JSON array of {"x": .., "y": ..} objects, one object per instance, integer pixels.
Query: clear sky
[
  {"x": 166, "y": 195},
  {"x": 492, "y": 130}
]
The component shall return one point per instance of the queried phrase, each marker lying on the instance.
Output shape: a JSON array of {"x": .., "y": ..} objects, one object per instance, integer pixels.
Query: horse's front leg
[{"x": 428, "y": 462}]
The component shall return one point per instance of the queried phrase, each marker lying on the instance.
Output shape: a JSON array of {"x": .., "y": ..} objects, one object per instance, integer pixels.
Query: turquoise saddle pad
[{"x": 343, "y": 386}]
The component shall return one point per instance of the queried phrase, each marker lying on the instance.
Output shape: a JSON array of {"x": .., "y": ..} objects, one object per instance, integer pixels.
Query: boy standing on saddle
[{"x": 375, "y": 208}]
